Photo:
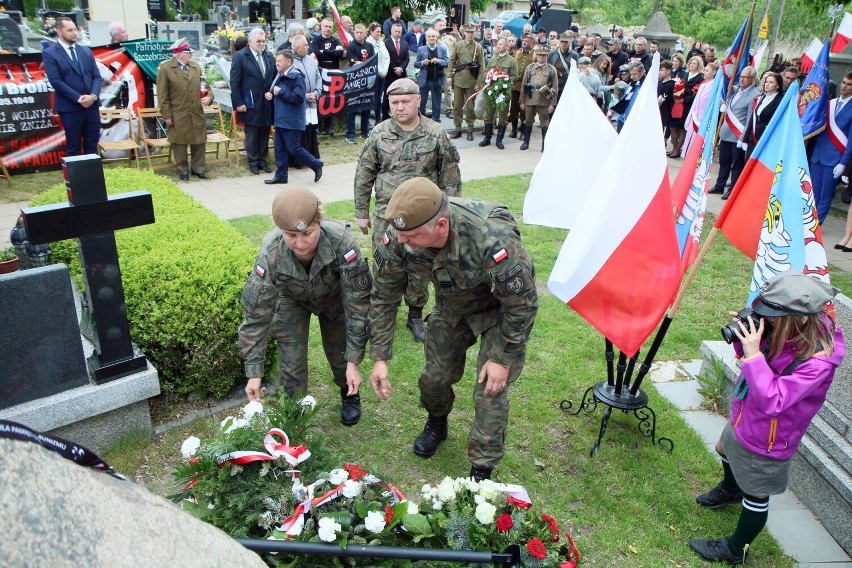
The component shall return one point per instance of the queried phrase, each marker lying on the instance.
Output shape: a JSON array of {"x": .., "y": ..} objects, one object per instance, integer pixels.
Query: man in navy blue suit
[
  {"x": 76, "y": 81},
  {"x": 252, "y": 71},
  {"x": 832, "y": 149}
]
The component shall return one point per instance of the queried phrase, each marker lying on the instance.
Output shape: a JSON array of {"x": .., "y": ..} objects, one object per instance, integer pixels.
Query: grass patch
[{"x": 632, "y": 504}]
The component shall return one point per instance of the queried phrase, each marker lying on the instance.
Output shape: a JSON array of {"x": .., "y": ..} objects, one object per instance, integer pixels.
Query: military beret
[
  {"x": 414, "y": 203},
  {"x": 468, "y": 28},
  {"x": 180, "y": 45},
  {"x": 793, "y": 293},
  {"x": 294, "y": 209},
  {"x": 541, "y": 50},
  {"x": 403, "y": 87}
]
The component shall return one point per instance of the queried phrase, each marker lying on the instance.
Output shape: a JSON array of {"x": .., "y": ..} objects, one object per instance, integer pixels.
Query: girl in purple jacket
[{"x": 783, "y": 384}]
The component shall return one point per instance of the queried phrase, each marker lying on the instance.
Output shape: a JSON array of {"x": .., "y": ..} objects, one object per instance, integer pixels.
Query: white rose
[
  {"x": 437, "y": 505},
  {"x": 446, "y": 490},
  {"x": 485, "y": 513},
  {"x": 375, "y": 522},
  {"x": 252, "y": 408},
  {"x": 328, "y": 529},
  {"x": 337, "y": 476},
  {"x": 478, "y": 499},
  {"x": 413, "y": 508},
  {"x": 472, "y": 485},
  {"x": 308, "y": 401},
  {"x": 487, "y": 489},
  {"x": 189, "y": 446},
  {"x": 351, "y": 489}
]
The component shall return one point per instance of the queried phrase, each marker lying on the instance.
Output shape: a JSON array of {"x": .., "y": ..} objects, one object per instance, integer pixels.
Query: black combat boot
[
  {"x": 501, "y": 131},
  {"x": 435, "y": 432},
  {"x": 416, "y": 325},
  {"x": 478, "y": 473},
  {"x": 350, "y": 410},
  {"x": 543, "y": 134},
  {"x": 527, "y": 134},
  {"x": 487, "y": 133},
  {"x": 470, "y": 133},
  {"x": 456, "y": 134},
  {"x": 514, "y": 133}
]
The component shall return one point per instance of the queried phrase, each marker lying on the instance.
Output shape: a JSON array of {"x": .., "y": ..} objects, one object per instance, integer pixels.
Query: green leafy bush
[{"x": 182, "y": 276}]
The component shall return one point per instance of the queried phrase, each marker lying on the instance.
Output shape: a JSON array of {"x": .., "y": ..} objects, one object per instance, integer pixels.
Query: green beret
[
  {"x": 414, "y": 203},
  {"x": 294, "y": 209},
  {"x": 403, "y": 87}
]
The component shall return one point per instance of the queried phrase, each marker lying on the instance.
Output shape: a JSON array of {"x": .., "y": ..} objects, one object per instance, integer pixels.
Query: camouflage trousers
[
  {"x": 417, "y": 290},
  {"x": 290, "y": 327},
  {"x": 446, "y": 348},
  {"x": 460, "y": 95}
]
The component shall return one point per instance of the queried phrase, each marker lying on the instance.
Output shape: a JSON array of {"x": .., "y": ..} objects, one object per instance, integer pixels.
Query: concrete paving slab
[{"x": 683, "y": 394}]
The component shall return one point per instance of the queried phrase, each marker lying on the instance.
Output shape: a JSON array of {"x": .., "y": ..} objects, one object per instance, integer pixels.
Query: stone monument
[{"x": 658, "y": 28}]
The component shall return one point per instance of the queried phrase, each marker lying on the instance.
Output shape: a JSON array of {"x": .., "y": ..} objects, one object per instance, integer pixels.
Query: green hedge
[{"x": 182, "y": 277}]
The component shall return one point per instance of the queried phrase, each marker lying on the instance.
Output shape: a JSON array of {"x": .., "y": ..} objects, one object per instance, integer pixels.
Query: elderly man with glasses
[{"x": 731, "y": 158}]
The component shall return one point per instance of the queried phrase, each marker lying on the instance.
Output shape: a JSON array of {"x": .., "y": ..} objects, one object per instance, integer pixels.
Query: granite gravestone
[
  {"x": 11, "y": 36},
  {"x": 41, "y": 353}
]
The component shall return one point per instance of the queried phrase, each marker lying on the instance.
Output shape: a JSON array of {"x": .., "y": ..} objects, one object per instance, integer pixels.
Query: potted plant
[{"x": 9, "y": 261}]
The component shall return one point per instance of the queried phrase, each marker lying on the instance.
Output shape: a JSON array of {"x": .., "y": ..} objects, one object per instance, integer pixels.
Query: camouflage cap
[
  {"x": 542, "y": 50},
  {"x": 294, "y": 209},
  {"x": 403, "y": 87},
  {"x": 414, "y": 203}
]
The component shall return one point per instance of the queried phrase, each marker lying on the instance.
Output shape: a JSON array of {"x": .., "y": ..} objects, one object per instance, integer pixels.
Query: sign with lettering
[{"x": 349, "y": 90}]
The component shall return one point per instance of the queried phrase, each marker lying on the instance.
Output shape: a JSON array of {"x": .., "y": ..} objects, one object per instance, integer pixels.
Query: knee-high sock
[
  {"x": 729, "y": 482},
  {"x": 752, "y": 520}
]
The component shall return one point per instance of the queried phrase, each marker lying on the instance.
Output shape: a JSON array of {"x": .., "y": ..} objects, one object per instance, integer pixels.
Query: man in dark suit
[
  {"x": 398, "y": 51},
  {"x": 832, "y": 150},
  {"x": 252, "y": 72},
  {"x": 74, "y": 76}
]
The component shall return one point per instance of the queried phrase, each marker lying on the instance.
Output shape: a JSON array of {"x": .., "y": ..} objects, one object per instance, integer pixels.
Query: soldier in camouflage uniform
[
  {"x": 503, "y": 61},
  {"x": 404, "y": 147},
  {"x": 467, "y": 69},
  {"x": 485, "y": 289},
  {"x": 539, "y": 90},
  {"x": 307, "y": 266}
]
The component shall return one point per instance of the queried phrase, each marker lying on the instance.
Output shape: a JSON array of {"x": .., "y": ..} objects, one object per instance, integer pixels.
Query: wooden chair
[
  {"x": 128, "y": 144},
  {"x": 4, "y": 172},
  {"x": 238, "y": 136},
  {"x": 218, "y": 136},
  {"x": 159, "y": 140}
]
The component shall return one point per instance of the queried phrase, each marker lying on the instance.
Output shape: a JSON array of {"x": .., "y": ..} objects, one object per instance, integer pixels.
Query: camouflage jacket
[
  {"x": 339, "y": 279},
  {"x": 391, "y": 155},
  {"x": 483, "y": 276}
]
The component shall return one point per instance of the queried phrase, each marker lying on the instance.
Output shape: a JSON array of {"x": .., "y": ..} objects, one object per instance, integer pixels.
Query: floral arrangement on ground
[
  {"x": 498, "y": 87},
  {"x": 266, "y": 474}
]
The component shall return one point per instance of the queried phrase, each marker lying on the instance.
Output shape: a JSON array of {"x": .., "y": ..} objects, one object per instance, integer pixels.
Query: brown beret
[
  {"x": 294, "y": 209},
  {"x": 414, "y": 203},
  {"x": 403, "y": 87}
]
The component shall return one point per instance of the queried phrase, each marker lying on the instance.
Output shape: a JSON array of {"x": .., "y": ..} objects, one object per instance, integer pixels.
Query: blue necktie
[{"x": 75, "y": 60}]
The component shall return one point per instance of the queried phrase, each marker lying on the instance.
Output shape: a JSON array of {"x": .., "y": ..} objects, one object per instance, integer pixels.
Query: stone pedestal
[{"x": 658, "y": 28}]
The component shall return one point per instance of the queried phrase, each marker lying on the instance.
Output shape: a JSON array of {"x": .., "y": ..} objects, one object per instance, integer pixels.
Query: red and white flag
[
  {"x": 759, "y": 54},
  {"x": 810, "y": 55},
  {"x": 561, "y": 181},
  {"x": 844, "y": 34},
  {"x": 619, "y": 267}
]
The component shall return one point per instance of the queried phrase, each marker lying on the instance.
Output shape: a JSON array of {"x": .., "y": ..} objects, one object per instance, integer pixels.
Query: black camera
[{"x": 728, "y": 331}]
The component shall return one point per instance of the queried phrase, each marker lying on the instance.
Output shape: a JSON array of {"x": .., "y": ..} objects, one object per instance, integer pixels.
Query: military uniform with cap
[
  {"x": 484, "y": 290},
  {"x": 466, "y": 69},
  {"x": 539, "y": 91},
  {"x": 508, "y": 65},
  {"x": 179, "y": 96},
  {"x": 282, "y": 291},
  {"x": 524, "y": 58}
]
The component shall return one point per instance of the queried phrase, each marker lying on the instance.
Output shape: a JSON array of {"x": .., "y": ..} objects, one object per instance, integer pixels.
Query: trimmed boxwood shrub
[{"x": 182, "y": 278}]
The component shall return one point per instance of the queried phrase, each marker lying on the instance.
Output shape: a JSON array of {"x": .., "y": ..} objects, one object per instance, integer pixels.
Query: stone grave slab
[
  {"x": 11, "y": 36},
  {"x": 192, "y": 31}
]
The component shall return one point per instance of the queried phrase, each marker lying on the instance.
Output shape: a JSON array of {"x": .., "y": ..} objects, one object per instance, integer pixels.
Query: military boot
[
  {"x": 487, "y": 133},
  {"x": 350, "y": 410},
  {"x": 435, "y": 432},
  {"x": 527, "y": 134},
  {"x": 478, "y": 473},
  {"x": 543, "y": 134},
  {"x": 470, "y": 133},
  {"x": 456, "y": 134},
  {"x": 501, "y": 131},
  {"x": 514, "y": 133}
]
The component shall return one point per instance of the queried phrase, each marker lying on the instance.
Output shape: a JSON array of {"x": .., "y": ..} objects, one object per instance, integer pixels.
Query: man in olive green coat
[
  {"x": 181, "y": 104},
  {"x": 484, "y": 290},
  {"x": 507, "y": 65},
  {"x": 466, "y": 70},
  {"x": 539, "y": 92}
]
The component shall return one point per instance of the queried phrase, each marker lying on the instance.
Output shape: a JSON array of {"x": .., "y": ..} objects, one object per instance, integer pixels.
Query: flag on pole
[
  {"x": 689, "y": 191},
  {"x": 810, "y": 55},
  {"x": 619, "y": 267},
  {"x": 759, "y": 54},
  {"x": 334, "y": 13},
  {"x": 771, "y": 215},
  {"x": 813, "y": 96},
  {"x": 738, "y": 56},
  {"x": 554, "y": 199},
  {"x": 764, "y": 27},
  {"x": 844, "y": 34}
]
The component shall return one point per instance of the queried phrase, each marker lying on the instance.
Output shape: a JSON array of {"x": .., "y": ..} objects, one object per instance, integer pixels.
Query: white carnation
[
  {"x": 478, "y": 499},
  {"x": 252, "y": 408},
  {"x": 485, "y": 513},
  {"x": 446, "y": 490},
  {"x": 426, "y": 488},
  {"x": 328, "y": 529},
  {"x": 337, "y": 476},
  {"x": 375, "y": 522},
  {"x": 190, "y": 446},
  {"x": 437, "y": 505},
  {"x": 308, "y": 401},
  {"x": 351, "y": 489}
]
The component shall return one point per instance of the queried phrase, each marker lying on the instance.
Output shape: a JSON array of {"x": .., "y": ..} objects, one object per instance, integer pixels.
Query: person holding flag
[
  {"x": 731, "y": 156},
  {"x": 832, "y": 151}
]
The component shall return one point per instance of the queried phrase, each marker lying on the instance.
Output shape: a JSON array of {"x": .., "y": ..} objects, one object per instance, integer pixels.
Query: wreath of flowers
[{"x": 498, "y": 87}]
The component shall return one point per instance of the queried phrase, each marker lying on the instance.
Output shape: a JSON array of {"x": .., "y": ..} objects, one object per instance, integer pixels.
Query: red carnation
[
  {"x": 554, "y": 528},
  {"x": 504, "y": 523},
  {"x": 518, "y": 503},
  {"x": 388, "y": 515},
  {"x": 536, "y": 548},
  {"x": 355, "y": 471}
]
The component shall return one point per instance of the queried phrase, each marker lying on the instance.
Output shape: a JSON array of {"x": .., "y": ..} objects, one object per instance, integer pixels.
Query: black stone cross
[
  {"x": 612, "y": 30},
  {"x": 167, "y": 29},
  {"x": 91, "y": 216}
]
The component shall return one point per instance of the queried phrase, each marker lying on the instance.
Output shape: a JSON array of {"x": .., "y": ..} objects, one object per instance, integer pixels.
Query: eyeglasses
[{"x": 746, "y": 76}]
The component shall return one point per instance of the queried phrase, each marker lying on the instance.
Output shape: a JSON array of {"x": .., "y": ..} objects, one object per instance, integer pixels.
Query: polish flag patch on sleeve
[
  {"x": 385, "y": 239},
  {"x": 259, "y": 270},
  {"x": 500, "y": 256},
  {"x": 350, "y": 256}
]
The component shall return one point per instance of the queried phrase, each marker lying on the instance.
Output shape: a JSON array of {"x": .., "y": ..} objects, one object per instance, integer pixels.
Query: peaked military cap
[
  {"x": 180, "y": 45},
  {"x": 541, "y": 50}
]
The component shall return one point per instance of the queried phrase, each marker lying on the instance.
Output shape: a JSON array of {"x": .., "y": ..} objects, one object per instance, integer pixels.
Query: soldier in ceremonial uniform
[
  {"x": 308, "y": 265},
  {"x": 524, "y": 56},
  {"x": 484, "y": 290},
  {"x": 404, "y": 147},
  {"x": 507, "y": 64},
  {"x": 467, "y": 68},
  {"x": 539, "y": 89},
  {"x": 179, "y": 93}
]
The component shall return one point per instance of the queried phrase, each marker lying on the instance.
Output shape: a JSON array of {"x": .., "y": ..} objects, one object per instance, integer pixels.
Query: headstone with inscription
[
  {"x": 11, "y": 35},
  {"x": 192, "y": 31}
]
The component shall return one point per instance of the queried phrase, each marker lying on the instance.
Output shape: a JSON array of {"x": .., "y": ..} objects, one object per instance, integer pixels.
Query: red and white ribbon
[
  {"x": 491, "y": 76},
  {"x": 293, "y": 455},
  {"x": 835, "y": 133}
]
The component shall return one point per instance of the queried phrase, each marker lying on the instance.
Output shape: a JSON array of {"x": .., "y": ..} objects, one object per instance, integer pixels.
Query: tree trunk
[{"x": 776, "y": 25}]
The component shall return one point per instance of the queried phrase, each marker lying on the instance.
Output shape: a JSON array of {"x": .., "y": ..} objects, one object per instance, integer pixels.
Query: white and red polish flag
[
  {"x": 844, "y": 34},
  {"x": 619, "y": 267},
  {"x": 810, "y": 55}
]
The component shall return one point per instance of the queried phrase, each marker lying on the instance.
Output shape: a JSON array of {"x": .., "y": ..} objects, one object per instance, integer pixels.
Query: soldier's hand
[
  {"x": 495, "y": 377},
  {"x": 168, "y": 121},
  {"x": 379, "y": 380},
  {"x": 364, "y": 225},
  {"x": 353, "y": 378},
  {"x": 253, "y": 390},
  {"x": 521, "y": 106}
]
